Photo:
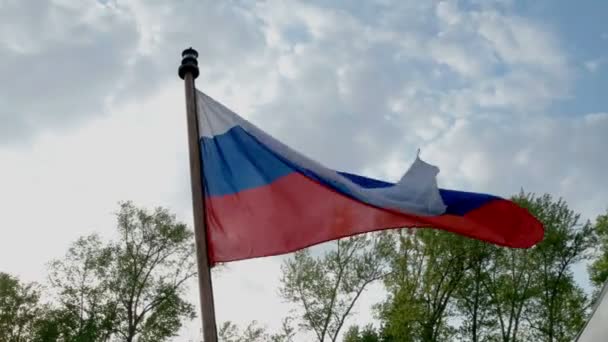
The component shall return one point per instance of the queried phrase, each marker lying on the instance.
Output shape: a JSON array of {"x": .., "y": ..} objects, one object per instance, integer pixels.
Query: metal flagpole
[{"x": 188, "y": 71}]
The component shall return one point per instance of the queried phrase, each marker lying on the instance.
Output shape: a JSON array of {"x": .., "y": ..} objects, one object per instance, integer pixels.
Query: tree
[
  {"x": 47, "y": 326},
  {"x": 87, "y": 308},
  {"x": 150, "y": 265},
  {"x": 355, "y": 334},
  {"x": 230, "y": 332},
  {"x": 133, "y": 287},
  {"x": 473, "y": 303},
  {"x": 530, "y": 294},
  {"x": 494, "y": 293},
  {"x": 598, "y": 270},
  {"x": 18, "y": 309},
  {"x": 427, "y": 268},
  {"x": 352, "y": 334},
  {"x": 327, "y": 288},
  {"x": 287, "y": 332},
  {"x": 508, "y": 282},
  {"x": 557, "y": 313}
]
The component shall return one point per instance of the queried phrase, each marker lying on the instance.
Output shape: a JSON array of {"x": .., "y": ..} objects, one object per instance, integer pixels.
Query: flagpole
[{"x": 188, "y": 71}]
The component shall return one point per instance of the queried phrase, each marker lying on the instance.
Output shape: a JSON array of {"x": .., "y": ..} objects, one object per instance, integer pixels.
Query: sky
[{"x": 500, "y": 95}]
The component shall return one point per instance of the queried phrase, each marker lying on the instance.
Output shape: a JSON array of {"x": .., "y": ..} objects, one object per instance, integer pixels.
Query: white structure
[{"x": 596, "y": 329}]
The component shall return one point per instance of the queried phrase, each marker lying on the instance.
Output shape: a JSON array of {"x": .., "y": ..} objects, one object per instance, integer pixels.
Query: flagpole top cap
[{"x": 189, "y": 63}]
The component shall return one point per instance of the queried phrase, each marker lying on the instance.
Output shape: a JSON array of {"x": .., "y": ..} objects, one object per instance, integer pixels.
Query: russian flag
[{"x": 263, "y": 198}]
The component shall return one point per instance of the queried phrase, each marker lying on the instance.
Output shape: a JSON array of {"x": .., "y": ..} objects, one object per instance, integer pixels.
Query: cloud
[
  {"x": 594, "y": 65},
  {"x": 374, "y": 83},
  {"x": 289, "y": 64},
  {"x": 67, "y": 61},
  {"x": 560, "y": 156},
  {"x": 65, "y": 185},
  {"x": 60, "y": 63}
]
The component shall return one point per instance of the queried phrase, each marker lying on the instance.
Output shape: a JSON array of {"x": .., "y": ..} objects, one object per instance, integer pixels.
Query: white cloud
[
  {"x": 562, "y": 157},
  {"x": 520, "y": 41},
  {"x": 63, "y": 186},
  {"x": 594, "y": 64},
  {"x": 63, "y": 63}
]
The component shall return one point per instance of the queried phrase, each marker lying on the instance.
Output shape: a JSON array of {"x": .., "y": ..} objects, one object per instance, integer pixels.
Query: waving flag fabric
[{"x": 263, "y": 198}]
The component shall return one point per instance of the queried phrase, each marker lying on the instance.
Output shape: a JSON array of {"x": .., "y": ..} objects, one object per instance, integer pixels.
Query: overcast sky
[{"x": 500, "y": 95}]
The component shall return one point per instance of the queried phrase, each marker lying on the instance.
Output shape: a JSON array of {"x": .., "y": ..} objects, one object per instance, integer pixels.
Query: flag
[{"x": 263, "y": 198}]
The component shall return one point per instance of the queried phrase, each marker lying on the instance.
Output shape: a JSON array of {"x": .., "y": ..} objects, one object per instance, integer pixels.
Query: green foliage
[
  {"x": 598, "y": 270},
  {"x": 127, "y": 288},
  {"x": 287, "y": 332},
  {"x": 427, "y": 268},
  {"x": 230, "y": 332},
  {"x": 352, "y": 334},
  {"x": 497, "y": 294},
  {"x": 47, "y": 326},
  {"x": 87, "y": 308},
  {"x": 556, "y": 312},
  {"x": 472, "y": 299},
  {"x": 150, "y": 265},
  {"x": 18, "y": 309},
  {"x": 368, "y": 334},
  {"x": 507, "y": 282},
  {"x": 327, "y": 288}
]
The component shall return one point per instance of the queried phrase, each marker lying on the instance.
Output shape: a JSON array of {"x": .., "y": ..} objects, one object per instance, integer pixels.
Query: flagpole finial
[{"x": 189, "y": 63}]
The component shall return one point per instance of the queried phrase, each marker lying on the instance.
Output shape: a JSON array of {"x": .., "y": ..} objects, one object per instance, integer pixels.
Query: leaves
[
  {"x": 497, "y": 294},
  {"x": 427, "y": 268},
  {"x": 229, "y": 332},
  {"x": 556, "y": 311},
  {"x": 367, "y": 334},
  {"x": 130, "y": 287},
  {"x": 598, "y": 270},
  {"x": 86, "y": 306},
  {"x": 151, "y": 263},
  {"x": 18, "y": 309},
  {"x": 327, "y": 288},
  {"x": 254, "y": 332}
]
